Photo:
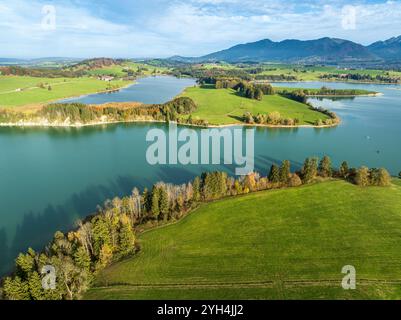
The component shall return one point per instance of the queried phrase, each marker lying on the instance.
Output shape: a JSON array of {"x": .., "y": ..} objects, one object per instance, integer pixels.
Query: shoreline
[
  {"x": 64, "y": 100},
  {"x": 334, "y": 81},
  {"x": 45, "y": 124},
  {"x": 376, "y": 94}
]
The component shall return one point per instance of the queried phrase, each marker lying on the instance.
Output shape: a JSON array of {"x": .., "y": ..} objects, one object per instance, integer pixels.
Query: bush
[
  {"x": 380, "y": 177},
  {"x": 274, "y": 117},
  {"x": 362, "y": 177},
  {"x": 295, "y": 181}
]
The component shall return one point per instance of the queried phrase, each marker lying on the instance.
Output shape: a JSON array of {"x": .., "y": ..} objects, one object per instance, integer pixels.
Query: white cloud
[
  {"x": 212, "y": 28},
  {"x": 191, "y": 27}
]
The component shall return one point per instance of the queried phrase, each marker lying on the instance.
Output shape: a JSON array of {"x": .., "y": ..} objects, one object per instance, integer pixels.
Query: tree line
[
  {"x": 253, "y": 90},
  {"x": 40, "y": 72},
  {"x": 201, "y": 73},
  {"x": 85, "y": 114},
  {"x": 276, "y": 77},
  {"x": 246, "y": 89},
  {"x": 302, "y": 94},
  {"x": 272, "y": 118},
  {"x": 275, "y": 118},
  {"x": 110, "y": 234},
  {"x": 362, "y": 77}
]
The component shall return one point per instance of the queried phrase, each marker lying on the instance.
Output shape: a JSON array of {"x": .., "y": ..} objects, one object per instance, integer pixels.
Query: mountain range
[{"x": 324, "y": 50}]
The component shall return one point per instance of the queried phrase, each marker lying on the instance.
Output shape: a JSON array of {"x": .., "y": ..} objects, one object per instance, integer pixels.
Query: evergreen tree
[
  {"x": 25, "y": 263},
  {"x": 101, "y": 235},
  {"x": 258, "y": 94},
  {"x": 82, "y": 258},
  {"x": 197, "y": 189},
  {"x": 274, "y": 175},
  {"x": 146, "y": 201},
  {"x": 344, "y": 170},
  {"x": 155, "y": 202},
  {"x": 16, "y": 289},
  {"x": 35, "y": 286},
  {"x": 163, "y": 204},
  {"x": 325, "y": 169},
  {"x": 309, "y": 170},
  {"x": 126, "y": 237},
  {"x": 285, "y": 171}
]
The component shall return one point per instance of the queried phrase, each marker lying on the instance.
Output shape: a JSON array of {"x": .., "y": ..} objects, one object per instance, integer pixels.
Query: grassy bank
[
  {"x": 16, "y": 91},
  {"x": 225, "y": 106},
  {"x": 277, "y": 244},
  {"x": 327, "y": 92}
]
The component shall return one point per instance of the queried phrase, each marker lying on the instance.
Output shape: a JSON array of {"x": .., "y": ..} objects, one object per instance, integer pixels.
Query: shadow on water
[
  {"x": 61, "y": 132},
  {"x": 263, "y": 163},
  {"x": 4, "y": 251},
  {"x": 37, "y": 228}
]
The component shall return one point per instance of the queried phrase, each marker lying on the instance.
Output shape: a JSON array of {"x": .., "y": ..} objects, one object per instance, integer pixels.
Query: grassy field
[
  {"x": 281, "y": 244},
  {"x": 18, "y": 91},
  {"x": 118, "y": 70},
  {"x": 314, "y": 73},
  {"x": 397, "y": 181},
  {"x": 305, "y": 73},
  {"x": 224, "y": 106}
]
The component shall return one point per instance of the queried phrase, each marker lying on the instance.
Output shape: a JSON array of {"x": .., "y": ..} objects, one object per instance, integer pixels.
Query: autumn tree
[
  {"x": 380, "y": 177},
  {"x": 295, "y": 180},
  {"x": 126, "y": 237},
  {"x": 197, "y": 189},
  {"x": 362, "y": 177}
]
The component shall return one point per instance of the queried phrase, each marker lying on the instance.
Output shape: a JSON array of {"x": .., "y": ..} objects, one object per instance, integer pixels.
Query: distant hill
[
  {"x": 96, "y": 63},
  {"x": 39, "y": 61},
  {"x": 10, "y": 61},
  {"x": 388, "y": 50},
  {"x": 324, "y": 50}
]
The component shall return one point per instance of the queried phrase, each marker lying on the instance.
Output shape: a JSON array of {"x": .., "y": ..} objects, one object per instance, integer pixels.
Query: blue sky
[{"x": 160, "y": 28}]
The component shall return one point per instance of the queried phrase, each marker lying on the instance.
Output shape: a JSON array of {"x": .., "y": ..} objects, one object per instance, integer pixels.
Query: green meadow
[
  {"x": 302, "y": 72},
  {"x": 120, "y": 70},
  {"x": 16, "y": 91},
  {"x": 281, "y": 244},
  {"x": 225, "y": 106}
]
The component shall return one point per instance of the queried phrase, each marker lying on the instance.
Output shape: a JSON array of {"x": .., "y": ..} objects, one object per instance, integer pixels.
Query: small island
[{"x": 265, "y": 107}]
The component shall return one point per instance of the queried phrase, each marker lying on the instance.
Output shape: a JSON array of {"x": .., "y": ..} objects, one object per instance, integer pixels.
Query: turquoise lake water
[{"x": 51, "y": 177}]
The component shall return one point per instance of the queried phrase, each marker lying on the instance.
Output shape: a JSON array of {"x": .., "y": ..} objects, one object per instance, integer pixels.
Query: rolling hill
[
  {"x": 281, "y": 244},
  {"x": 321, "y": 50},
  {"x": 388, "y": 50},
  {"x": 324, "y": 50}
]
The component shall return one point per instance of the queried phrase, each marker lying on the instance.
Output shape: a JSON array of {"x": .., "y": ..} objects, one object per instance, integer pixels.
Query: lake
[
  {"x": 150, "y": 90},
  {"x": 51, "y": 177}
]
